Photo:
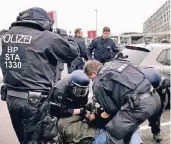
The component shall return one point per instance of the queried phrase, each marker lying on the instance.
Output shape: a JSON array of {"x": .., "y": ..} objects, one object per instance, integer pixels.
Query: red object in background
[
  {"x": 91, "y": 34},
  {"x": 51, "y": 14}
]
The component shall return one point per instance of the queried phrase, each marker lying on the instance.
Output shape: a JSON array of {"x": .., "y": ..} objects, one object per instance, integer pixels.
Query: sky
[{"x": 119, "y": 15}]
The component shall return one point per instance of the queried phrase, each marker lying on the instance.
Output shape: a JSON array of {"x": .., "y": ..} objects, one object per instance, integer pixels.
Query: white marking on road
[{"x": 162, "y": 124}]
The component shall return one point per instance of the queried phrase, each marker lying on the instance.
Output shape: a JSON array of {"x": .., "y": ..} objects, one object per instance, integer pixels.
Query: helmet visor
[{"x": 79, "y": 91}]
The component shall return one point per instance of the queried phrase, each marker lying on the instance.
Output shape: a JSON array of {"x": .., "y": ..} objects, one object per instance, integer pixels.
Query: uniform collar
[
  {"x": 99, "y": 69},
  {"x": 77, "y": 36},
  {"x": 103, "y": 38}
]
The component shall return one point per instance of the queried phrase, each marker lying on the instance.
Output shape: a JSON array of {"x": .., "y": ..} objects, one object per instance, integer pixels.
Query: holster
[
  {"x": 34, "y": 98},
  {"x": 3, "y": 93}
]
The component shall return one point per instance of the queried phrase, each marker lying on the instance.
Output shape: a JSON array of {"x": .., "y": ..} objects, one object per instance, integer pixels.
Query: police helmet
[
  {"x": 37, "y": 15},
  {"x": 79, "y": 83},
  {"x": 153, "y": 76}
]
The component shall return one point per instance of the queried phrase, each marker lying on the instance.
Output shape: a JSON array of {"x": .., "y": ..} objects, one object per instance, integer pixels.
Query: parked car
[{"x": 150, "y": 55}]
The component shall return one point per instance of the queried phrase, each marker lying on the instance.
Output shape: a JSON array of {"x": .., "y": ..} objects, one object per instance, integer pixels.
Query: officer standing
[
  {"x": 161, "y": 85},
  {"x": 30, "y": 52},
  {"x": 124, "y": 93},
  {"x": 102, "y": 48},
  {"x": 79, "y": 62}
]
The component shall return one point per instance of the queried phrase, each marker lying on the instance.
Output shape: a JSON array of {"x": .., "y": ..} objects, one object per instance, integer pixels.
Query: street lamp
[{"x": 96, "y": 22}]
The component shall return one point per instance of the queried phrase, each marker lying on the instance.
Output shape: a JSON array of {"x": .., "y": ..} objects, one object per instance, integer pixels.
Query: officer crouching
[
  {"x": 124, "y": 93},
  {"x": 69, "y": 99},
  {"x": 161, "y": 86},
  {"x": 30, "y": 52}
]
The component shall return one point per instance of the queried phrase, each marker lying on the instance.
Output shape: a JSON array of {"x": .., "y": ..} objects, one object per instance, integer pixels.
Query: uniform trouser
[
  {"x": 127, "y": 121},
  {"x": 21, "y": 116},
  {"x": 155, "y": 121}
]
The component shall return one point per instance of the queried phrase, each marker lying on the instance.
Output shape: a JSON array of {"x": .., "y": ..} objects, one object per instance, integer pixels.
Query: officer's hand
[
  {"x": 105, "y": 115},
  {"x": 78, "y": 111}
]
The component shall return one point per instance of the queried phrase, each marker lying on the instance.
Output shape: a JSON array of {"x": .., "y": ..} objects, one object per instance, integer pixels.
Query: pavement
[{"x": 7, "y": 134}]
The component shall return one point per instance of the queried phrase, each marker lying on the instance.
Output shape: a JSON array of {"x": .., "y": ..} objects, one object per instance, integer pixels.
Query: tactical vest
[{"x": 132, "y": 81}]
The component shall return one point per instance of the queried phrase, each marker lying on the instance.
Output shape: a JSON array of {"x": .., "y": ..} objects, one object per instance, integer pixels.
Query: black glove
[
  {"x": 165, "y": 83},
  {"x": 61, "y": 32}
]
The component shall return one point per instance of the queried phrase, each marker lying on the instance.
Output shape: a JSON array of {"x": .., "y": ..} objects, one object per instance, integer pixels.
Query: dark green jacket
[{"x": 73, "y": 129}]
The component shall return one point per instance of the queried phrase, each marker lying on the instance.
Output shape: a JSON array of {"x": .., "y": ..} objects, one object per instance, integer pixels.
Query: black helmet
[
  {"x": 38, "y": 15},
  {"x": 153, "y": 76},
  {"x": 79, "y": 83}
]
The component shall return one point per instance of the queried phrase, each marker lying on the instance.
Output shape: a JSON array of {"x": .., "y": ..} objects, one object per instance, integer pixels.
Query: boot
[{"x": 157, "y": 137}]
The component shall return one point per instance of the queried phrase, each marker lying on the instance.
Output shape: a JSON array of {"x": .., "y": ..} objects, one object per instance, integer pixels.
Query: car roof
[{"x": 150, "y": 46}]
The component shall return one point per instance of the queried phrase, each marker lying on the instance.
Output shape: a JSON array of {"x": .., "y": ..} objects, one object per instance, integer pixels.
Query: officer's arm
[
  {"x": 83, "y": 52},
  {"x": 103, "y": 97},
  {"x": 67, "y": 112},
  {"x": 64, "y": 50},
  {"x": 90, "y": 49}
]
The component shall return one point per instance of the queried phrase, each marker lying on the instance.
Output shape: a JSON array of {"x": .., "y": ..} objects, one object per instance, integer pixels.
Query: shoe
[{"x": 157, "y": 137}]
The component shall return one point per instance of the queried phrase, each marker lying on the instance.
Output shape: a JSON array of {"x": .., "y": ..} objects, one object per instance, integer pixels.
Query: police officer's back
[
  {"x": 102, "y": 48},
  {"x": 30, "y": 52},
  {"x": 123, "y": 91}
]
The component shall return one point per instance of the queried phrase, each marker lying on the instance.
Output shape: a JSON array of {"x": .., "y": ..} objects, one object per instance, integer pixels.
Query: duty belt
[
  {"x": 141, "y": 97},
  {"x": 147, "y": 94},
  {"x": 19, "y": 94}
]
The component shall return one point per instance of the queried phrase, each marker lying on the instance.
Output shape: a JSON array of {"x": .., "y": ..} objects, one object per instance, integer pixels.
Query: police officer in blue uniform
[
  {"x": 161, "y": 85},
  {"x": 125, "y": 94},
  {"x": 102, "y": 48},
  {"x": 30, "y": 52},
  {"x": 79, "y": 62}
]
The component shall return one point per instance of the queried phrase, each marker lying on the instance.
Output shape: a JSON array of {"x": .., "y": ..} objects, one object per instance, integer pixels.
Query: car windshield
[{"x": 134, "y": 56}]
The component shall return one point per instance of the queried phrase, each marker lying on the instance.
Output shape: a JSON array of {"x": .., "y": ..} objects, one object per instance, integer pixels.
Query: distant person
[
  {"x": 103, "y": 48},
  {"x": 79, "y": 62}
]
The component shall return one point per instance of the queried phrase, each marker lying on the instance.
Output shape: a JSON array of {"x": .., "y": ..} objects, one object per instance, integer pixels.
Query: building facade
[{"x": 159, "y": 24}]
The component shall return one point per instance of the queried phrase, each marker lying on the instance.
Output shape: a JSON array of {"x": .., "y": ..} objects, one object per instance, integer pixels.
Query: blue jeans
[
  {"x": 101, "y": 137},
  {"x": 136, "y": 137}
]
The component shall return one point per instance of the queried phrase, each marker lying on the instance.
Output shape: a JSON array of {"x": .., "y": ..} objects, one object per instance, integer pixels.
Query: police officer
[
  {"x": 30, "y": 52},
  {"x": 161, "y": 85},
  {"x": 70, "y": 94},
  {"x": 124, "y": 93},
  {"x": 79, "y": 62},
  {"x": 103, "y": 48}
]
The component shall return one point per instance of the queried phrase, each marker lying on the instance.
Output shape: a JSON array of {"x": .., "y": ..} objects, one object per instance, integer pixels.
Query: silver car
[{"x": 150, "y": 55}]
